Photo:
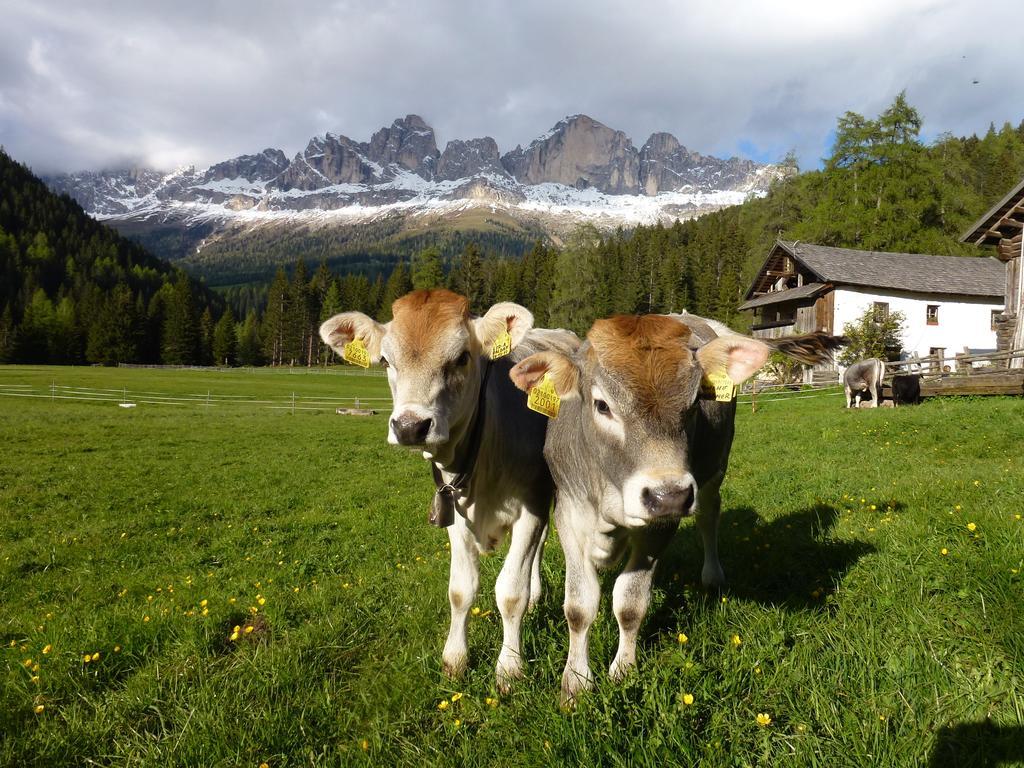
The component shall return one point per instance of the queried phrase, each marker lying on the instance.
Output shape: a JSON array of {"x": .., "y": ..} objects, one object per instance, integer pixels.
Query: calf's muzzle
[
  {"x": 668, "y": 499},
  {"x": 410, "y": 429}
]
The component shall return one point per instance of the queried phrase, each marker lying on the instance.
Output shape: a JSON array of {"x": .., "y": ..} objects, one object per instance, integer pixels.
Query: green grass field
[{"x": 873, "y": 610}]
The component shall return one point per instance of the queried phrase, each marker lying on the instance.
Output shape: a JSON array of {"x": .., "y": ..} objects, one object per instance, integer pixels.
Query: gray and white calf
[
  {"x": 864, "y": 376},
  {"x": 459, "y": 407},
  {"x": 638, "y": 445}
]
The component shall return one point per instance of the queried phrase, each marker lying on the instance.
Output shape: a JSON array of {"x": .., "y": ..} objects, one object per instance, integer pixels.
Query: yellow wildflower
[
  {"x": 39, "y": 709},
  {"x": 682, "y": 638},
  {"x": 86, "y": 658},
  {"x": 47, "y": 649},
  {"x": 117, "y": 649},
  {"x": 971, "y": 527},
  {"x": 687, "y": 699},
  {"x": 364, "y": 745},
  {"x": 96, "y": 656},
  {"x": 944, "y": 551},
  {"x": 763, "y": 719},
  {"x": 736, "y": 641},
  {"x": 249, "y": 629},
  {"x": 491, "y": 702},
  {"x": 202, "y": 603},
  {"x": 35, "y": 679},
  {"x": 27, "y": 662},
  {"x": 457, "y": 722},
  {"x": 443, "y": 705},
  {"x": 145, "y": 619},
  {"x": 456, "y": 697},
  {"x": 476, "y": 610}
]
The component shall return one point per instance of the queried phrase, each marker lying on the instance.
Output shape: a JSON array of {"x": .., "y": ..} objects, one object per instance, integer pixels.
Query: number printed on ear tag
[
  {"x": 502, "y": 345},
  {"x": 719, "y": 386},
  {"x": 544, "y": 399},
  {"x": 355, "y": 352}
]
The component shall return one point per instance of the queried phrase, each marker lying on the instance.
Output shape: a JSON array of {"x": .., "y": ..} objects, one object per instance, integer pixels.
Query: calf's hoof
[
  {"x": 509, "y": 668},
  {"x": 454, "y": 665},
  {"x": 620, "y": 668},
  {"x": 712, "y": 577},
  {"x": 573, "y": 684}
]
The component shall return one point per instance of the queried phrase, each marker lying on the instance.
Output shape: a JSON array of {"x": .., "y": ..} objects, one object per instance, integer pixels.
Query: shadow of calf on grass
[
  {"x": 790, "y": 562},
  {"x": 981, "y": 744}
]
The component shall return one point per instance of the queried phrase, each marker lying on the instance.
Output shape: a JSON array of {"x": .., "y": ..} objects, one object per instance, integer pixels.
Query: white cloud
[{"x": 91, "y": 85}]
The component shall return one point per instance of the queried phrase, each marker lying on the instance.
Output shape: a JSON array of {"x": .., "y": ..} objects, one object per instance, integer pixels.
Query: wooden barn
[
  {"x": 1002, "y": 227},
  {"x": 950, "y": 302}
]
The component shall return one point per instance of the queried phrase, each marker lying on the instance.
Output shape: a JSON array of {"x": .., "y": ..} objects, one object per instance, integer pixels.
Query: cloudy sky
[{"x": 106, "y": 84}]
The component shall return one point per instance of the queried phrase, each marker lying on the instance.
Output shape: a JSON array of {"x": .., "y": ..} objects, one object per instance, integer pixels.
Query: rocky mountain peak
[
  {"x": 578, "y": 152},
  {"x": 408, "y": 143},
  {"x": 465, "y": 159}
]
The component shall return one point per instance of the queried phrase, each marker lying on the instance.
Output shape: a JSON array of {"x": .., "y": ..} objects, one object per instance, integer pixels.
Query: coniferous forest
[{"x": 73, "y": 291}]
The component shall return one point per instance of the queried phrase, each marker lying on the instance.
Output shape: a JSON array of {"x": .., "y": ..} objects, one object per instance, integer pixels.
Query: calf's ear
[
  {"x": 737, "y": 356},
  {"x": 528, "y": 373},
  {"x": 503, "y": 316},
  {"x": 341, "y": 329}
]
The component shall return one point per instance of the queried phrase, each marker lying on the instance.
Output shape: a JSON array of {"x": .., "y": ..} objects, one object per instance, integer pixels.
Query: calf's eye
[
  {"x": 462, "y": 359},
  {"x": 602, "y": 407}
]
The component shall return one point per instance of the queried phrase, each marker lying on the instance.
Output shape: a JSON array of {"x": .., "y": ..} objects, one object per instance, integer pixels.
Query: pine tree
[
  {"x": 36, "y": 337},
  {"x": 224, "y": 341},
  {"x": 204, "y": 355},
  {"x": 467, "y": 278},
  {"x": 249, "y": 350},
  {"x": 427, "y": 271},
  {"x": 398, "y": 285},
  {"x": 577, "y": 281},
  {"x": 275, "y": 319},
  {"x": 180, "y": 340}
]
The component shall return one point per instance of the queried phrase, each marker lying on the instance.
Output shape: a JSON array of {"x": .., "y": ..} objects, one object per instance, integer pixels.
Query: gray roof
[
  {"x": 979, "y": 231},
  {"x": 915, "y": 272},
  {"x": 790, "y": 294}
]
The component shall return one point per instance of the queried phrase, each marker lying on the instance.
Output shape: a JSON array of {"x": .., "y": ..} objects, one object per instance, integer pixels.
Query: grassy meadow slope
[{"x": 873, "y": 609}]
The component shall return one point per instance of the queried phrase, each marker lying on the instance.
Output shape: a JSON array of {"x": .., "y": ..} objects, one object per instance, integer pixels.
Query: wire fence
[
  {"x": 297, "y": 401},
  {"x": 125, "y": 397}
]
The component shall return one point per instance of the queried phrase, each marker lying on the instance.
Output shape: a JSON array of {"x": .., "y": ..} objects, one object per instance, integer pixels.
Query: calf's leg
[
  {"x": 709, "y": 507},
  {"x": 512, "y": 591},
  {"x": 536, "y": 586},
  {"x": 630, "y": 599},
  {"x": 463, "y": 580},
  {"x": 582, "y": 595}
]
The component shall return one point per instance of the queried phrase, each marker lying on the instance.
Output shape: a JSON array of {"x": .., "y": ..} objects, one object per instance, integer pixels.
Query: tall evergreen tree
[
  {"x": 398, "y": 284},
  {"x": 467, "y": 278},
  {"x": 180, "y": 343},
  {"x": 427, "y": 270},
  {"x": 275, "y": 319},
  {"x": 224, "y": 341}
]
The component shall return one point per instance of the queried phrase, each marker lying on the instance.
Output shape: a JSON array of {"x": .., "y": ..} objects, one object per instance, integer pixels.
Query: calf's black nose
[
  {"x": 410, "y": 429},
  {"x": 668, "y": 500}
]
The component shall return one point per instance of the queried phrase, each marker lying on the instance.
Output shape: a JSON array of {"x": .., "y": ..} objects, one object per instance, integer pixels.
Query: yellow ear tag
[
  {"x": 356, "y": 353},
  {"x": 544, "y": 399},
  {"x": 502, "y": 345},
  {"x": 718, "y": 385}
]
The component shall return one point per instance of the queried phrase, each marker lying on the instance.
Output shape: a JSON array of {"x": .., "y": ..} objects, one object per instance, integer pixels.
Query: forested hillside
[{"x": 74, "y": 291}]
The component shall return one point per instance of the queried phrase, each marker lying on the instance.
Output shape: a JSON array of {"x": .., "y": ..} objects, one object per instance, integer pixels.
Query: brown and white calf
[
  {"x": 460, "y": 408},
  {"x": 639, "y": 444}
]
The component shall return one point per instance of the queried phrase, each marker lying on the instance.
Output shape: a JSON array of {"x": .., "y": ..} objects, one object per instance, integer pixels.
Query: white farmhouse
[{"x": 950, "y": 302}]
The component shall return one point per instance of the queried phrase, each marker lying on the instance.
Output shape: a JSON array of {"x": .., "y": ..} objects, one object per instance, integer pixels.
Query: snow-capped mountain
[{"x": 580, "y": 170}]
